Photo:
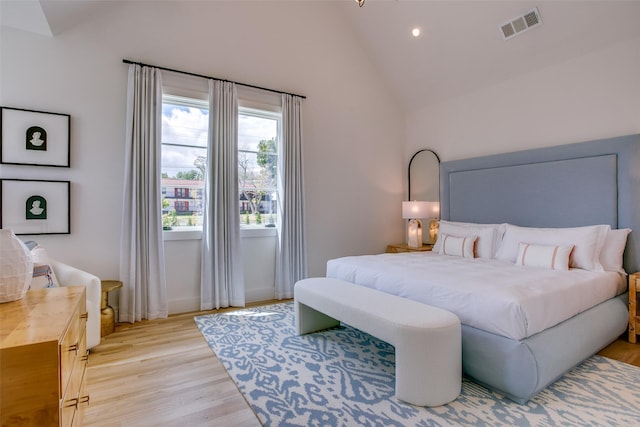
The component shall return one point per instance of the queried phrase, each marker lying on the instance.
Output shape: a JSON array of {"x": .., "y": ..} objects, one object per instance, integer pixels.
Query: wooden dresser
[{"x": 43, "y": 358}]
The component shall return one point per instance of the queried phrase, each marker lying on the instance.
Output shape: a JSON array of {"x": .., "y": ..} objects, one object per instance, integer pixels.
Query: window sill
[
  {"x": 182, "y": 235},
  {"x": 256, "y": 231},
  {"x": 245, "y": 232}
]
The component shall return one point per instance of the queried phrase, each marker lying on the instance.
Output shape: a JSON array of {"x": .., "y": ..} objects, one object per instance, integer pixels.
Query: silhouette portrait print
[
  {"x": 36, "y": 138},
  {"x": 36, "y": 208}
]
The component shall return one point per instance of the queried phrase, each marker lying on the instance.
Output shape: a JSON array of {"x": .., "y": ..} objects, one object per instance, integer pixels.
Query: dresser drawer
[
  {"x": 84, "y": 394},
  {"x": 73, "y": 393},
  {"x": 69, "y": 351},
  {"x": 75, "y": 397}
]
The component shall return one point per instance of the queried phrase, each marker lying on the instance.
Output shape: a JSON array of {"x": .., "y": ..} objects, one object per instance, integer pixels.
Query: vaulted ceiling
[{"x": 461, "y": 48}]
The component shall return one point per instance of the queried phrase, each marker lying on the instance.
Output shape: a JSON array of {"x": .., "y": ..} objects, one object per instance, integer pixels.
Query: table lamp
[{"x": 414, "y": 211}]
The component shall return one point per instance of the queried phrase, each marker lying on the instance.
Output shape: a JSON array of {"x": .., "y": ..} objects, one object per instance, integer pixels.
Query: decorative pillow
[
  {"x": 613, "y": 249},
  {"x": 487, "y": 236},
  {"x": 43, "y": 276},
  {"x": 551, "y": 257},
  {"x": 457, "y": 246},
  {"x": 587, "y": 242}
]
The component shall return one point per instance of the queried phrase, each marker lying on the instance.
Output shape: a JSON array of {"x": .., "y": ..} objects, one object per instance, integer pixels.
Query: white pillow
[
  {"x": 613, "y": 249},
  {"x": 551, "y": 257},
  {"x": 587, "y": 242},
  {"x": 457, "y": 246},
  {"x": 487, "y": 235}
]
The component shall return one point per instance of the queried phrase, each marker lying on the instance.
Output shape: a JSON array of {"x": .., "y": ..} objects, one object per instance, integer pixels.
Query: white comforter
[{"x": 495, "y": 296}]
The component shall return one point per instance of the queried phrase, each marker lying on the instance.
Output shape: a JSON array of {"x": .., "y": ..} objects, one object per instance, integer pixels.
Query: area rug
[{"x": 345, "y": 377}]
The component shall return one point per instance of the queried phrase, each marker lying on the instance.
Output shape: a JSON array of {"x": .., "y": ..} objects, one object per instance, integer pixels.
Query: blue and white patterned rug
[{"x": 344, "y": 377}]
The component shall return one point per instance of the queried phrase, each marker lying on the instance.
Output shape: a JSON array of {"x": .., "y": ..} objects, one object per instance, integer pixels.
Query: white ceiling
[{"x": 461, "y": 48}]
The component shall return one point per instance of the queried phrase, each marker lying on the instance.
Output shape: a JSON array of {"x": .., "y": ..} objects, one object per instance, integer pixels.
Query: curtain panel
[
  {"x": 144, "y": 293},
  {"x": 222, "y": 276},
  {"x": 291, "y": 259}
]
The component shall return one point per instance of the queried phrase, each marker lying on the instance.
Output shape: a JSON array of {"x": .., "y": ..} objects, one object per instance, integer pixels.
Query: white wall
[
  {"x": 593, "y": 96},
  {"x": 353, "y": 128},
  {"x": 258, "y": 248}
]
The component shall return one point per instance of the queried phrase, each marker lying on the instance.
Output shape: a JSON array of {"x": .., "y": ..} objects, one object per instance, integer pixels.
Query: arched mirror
[
  {"x": 424, "y": 176},
  {"x": 424, "y": 185}
]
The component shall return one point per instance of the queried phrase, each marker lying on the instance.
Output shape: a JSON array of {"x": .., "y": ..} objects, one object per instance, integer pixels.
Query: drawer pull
[
  {"x": 85, "y": 315},
  {"x": 72, "y": 403},
  {"x": 74, "y": 348},
  {"x": 84, "y": 399}
]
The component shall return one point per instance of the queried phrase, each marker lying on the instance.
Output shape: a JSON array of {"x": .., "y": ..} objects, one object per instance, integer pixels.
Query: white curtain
[
  {"x": 222, "y": 277},
  {"x": 144, "y": 293},
  {"x": 291, "y": 258}
]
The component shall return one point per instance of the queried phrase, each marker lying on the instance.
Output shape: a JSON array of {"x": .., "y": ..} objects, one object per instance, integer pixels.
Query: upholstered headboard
[{"x": 595, "y": 182}]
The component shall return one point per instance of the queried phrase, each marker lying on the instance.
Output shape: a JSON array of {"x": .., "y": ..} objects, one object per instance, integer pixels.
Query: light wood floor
[
  {"x": 623, "y": 351},
  {"x": 162, "y": 373}
]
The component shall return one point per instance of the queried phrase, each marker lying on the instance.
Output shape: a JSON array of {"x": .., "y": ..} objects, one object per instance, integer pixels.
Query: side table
[
  {"x": 107, "y": 317},
  {"x": 634, "y": 314},
  {"x": 403, "y": 247}
]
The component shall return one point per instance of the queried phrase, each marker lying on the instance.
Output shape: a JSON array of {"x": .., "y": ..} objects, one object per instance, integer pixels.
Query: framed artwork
[
  {"x": 34, "y": 138},
  {"x": 35, "y": 206}
]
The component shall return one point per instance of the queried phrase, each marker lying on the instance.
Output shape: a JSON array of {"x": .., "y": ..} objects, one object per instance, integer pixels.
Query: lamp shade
[{"x": 416, "y": 209}]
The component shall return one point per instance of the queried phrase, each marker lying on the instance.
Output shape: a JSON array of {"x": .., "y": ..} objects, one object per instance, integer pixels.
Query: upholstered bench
[{"x": 427, "y": 339}]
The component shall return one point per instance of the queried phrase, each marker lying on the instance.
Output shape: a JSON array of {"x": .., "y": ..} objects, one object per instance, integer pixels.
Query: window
[
  {"x": 182, "y": 192},
  {"x": 258, "y": 136},
  {"x": 184, "y": 154},
  {"x": 182, "y": 206},
  {"x": 185, "y": 123}
]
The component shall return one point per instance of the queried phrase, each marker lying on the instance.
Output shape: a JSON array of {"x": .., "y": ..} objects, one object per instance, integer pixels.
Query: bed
[{"x": 558, "y": 318}]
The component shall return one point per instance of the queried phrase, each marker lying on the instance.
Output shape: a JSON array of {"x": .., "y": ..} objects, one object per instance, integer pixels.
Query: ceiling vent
[{"x": 521, "y": 24}]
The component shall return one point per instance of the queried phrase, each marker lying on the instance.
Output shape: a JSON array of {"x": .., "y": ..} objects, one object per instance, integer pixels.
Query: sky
[{"x": 188, "y": 125}]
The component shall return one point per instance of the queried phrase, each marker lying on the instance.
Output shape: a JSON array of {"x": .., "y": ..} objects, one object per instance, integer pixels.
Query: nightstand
[
  {"x": 634, "y": 316},
  {"x": 403, "y": 247}
]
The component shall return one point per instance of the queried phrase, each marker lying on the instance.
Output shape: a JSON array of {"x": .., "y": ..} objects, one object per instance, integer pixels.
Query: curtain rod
[{"x": 126, "y": 61}]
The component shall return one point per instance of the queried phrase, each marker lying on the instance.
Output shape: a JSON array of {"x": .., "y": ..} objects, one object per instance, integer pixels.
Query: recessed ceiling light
[{"x": 416, "y": 32}]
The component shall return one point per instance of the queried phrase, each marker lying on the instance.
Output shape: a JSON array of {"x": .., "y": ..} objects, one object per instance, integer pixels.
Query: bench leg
[
  {"x": 429, "y": 369},
  {"x": 310, "y": 320}
]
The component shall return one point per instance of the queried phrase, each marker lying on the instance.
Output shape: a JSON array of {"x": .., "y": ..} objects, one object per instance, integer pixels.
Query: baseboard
[
  {"x": 260, "y": 294},
  {"x": 184, "y": 305}
]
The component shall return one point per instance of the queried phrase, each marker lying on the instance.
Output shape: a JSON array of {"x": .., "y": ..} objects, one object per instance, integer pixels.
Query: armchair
[{"x": 71, "y": 276}]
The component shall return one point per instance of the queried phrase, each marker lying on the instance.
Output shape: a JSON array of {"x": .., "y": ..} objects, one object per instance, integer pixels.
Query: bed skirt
[{"x": 520, "y": 369}]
